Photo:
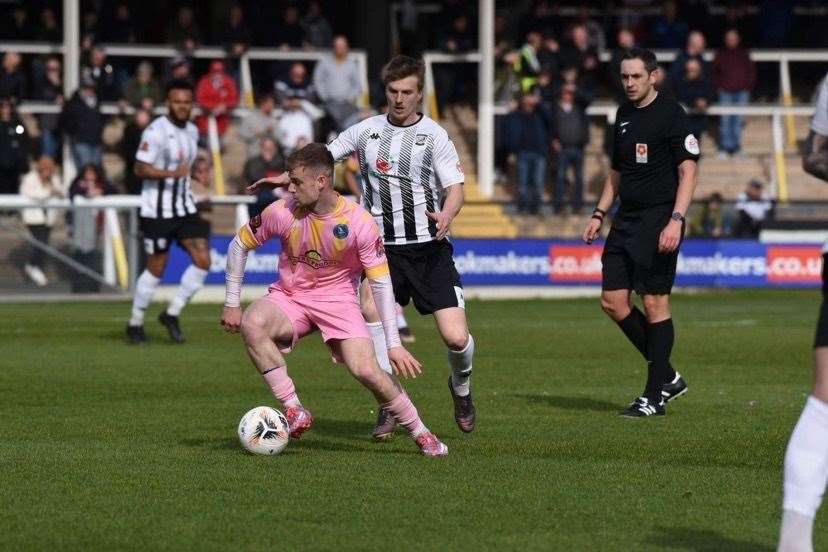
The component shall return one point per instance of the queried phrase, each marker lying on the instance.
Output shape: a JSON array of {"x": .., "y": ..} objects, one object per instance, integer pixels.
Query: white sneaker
[{"x": 36, "y": 275}]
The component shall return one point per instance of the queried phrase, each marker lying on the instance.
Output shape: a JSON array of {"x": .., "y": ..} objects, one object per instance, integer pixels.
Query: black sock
[
  {"x": 634, "y": 327},
  {"x": 660, "y": 337}
]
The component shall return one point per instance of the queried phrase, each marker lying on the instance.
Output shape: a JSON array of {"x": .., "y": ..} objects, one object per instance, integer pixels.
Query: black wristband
[
  {"x": 599, "y": 217},
  {"x": 597, "y": 210}
]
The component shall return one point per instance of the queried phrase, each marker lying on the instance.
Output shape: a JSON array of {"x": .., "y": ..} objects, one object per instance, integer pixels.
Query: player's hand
[
  {"x": 592, "y": 230},
  {"x": 181, "y": 171},
  {"x": 668, "y": 240},
  {"x": 231, "y": 319},
  {"x": 443, "y": 223},
  {"x": 269, "y": 183},
  {"x": 404, "y": 363}
]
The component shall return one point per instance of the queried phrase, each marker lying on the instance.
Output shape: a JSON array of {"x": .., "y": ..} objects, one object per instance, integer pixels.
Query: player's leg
[
  {"x": 358, "y": 355},
  {"x": 435, "y": 288},
  {"x": 660, "y": 338},
  {"x": 193, "y": 236},
  {"x": 806, "y": 459},
  {"x": 266, "y": 325},
  {"x": 145, "y": 289}
]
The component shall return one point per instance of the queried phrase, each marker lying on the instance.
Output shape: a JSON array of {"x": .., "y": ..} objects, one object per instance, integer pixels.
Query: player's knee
[
  {"x": 456, "y": 341},
  {"x": 656, "y": 306},
  {"x": 253, "y": 328}
]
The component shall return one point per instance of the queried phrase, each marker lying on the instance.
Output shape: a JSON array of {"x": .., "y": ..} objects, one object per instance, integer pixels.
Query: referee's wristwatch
[{"x": 678, "y": 216}]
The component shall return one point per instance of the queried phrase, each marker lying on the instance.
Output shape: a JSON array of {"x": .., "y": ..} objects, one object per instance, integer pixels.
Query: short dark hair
[
  {"x": 646, "y": 56},
  {"x": 178, "y": 84},
  {"x": 312, "y": 156},
  {"x": 401, "y": 67}
]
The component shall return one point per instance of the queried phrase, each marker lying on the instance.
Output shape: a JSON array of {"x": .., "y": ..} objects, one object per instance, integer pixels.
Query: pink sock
[
  {"x": 282, "y": 386},
  {"x": 406, "y": 415}
]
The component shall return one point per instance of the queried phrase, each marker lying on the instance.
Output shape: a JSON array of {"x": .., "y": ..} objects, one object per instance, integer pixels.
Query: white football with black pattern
[{"x": 264, "y": 430}]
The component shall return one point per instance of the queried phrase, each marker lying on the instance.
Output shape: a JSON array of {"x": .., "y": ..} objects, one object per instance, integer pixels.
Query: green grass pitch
[{"x": 105, "y": 447}]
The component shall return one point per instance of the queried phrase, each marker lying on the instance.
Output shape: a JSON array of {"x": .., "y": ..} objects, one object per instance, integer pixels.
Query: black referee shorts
[
  {"x": 425, "y": 272},
  {"x": 621, "y": 271},
  {"x": 160, "y": 233},
  {"x": 821, "y": 339}
]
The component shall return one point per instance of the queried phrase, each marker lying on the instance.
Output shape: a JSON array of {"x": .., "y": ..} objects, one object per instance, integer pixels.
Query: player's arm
[
  {"x": 379, "y": 278},
  {"x": 243, "y": 242},
  {"x": 608, "y": 195},
  {"x": 256, "y": 232},
  {"x": 447, "y": 168},
  {"x": 670, "y": 237},
  {"x": 454, "y": 198}
]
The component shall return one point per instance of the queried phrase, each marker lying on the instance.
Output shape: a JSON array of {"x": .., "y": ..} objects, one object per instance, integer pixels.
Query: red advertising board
[
  {"x": 575, "y": 263},
  {"x": 800, "y": 264}
]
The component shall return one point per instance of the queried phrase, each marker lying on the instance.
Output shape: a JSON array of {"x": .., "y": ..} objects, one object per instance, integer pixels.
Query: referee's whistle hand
[
  {"x": 668, "y": 240},
  {"x": 593, "y": 228}
]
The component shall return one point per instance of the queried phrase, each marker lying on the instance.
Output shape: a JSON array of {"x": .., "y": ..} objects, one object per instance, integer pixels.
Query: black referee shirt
[{"x": 650, "y": 143}]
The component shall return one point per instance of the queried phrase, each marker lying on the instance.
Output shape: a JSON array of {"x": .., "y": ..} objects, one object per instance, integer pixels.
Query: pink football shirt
[{"x": 321, "y": 254}]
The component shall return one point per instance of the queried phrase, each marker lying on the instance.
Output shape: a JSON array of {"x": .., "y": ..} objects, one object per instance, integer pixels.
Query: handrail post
[
  {"x": 779, "y": 158},
  {"x": 787, "y": 98}
]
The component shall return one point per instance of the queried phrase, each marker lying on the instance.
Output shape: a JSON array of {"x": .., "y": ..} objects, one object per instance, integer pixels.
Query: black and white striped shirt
[
  {"x": 404, "y": 171},
  {"x": 166, "y": 146}
]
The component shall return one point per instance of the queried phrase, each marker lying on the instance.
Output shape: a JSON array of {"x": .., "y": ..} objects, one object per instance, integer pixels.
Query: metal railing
[
  {"x": 120, "y": 256},
  {"x": 607, "y": 110}
]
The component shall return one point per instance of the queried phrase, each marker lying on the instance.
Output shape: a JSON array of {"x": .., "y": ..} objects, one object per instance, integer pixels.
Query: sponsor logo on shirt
[
  {"x": 313, "y": 259},
  {"x": 421, "y": 139},
  {"x": 375, "y": 136},
  {"x": 383, "y": 166},
  {"x": 641, "y": 153},
  {"x": 144, "y": 146}
]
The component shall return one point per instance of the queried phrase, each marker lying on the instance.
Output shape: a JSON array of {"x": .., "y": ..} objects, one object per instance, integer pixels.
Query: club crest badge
[{"x": 641, "y": 153}]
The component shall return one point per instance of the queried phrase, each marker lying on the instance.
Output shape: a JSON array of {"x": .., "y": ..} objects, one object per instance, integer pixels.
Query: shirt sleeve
[
  {"x": 273, "y": 221},
  {"x": 151, "y": 147},
  {"x": 371, "y": 249},
  {"x": 684, "y": 144},
  {"x": 819, "y": 123},
  {"x": 616, "y": 157},
  {"x": 447, "y": 162},
  {"x": 344, "y": 144}
]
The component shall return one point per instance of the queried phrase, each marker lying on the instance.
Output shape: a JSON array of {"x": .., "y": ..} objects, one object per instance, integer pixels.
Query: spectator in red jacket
[
  {"x": 734, "y": 74},
  {"x": 217, "y": 95}
]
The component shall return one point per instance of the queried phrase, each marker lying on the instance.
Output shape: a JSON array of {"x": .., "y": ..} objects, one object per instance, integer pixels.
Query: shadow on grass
[
  {"x": 570, "y": 403},
  {"x": 704, "y": 540}
]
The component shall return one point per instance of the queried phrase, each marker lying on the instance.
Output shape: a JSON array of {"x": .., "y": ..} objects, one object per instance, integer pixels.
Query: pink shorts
[{"x": 340, "y": 319}]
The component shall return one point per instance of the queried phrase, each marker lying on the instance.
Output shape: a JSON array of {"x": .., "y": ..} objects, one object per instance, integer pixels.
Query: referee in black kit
[{"x": 653, "y": 174}]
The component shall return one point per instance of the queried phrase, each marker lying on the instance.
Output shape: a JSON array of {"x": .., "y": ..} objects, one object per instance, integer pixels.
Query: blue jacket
[{"x": 524, "y": 131}]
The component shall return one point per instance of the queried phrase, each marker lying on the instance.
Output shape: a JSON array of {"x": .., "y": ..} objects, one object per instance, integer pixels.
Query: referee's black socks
[
  {"x": 660, "y": 337},
  {"x": 635, "y": 327}
]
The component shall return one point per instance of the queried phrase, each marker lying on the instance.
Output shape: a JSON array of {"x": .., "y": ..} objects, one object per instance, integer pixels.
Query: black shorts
[
  {"x": 821, "y": 339},
  {"x": 160, "y": 233},
  {"x": 621, "y": 271},
  {"x": 425, "y": 272}
]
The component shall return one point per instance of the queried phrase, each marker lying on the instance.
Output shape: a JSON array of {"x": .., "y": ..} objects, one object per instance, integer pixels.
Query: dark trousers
[
  {"x": 531, "y": 169},
  {"x": 40, "y": 232},
  {"x": 570, "y": 156}
]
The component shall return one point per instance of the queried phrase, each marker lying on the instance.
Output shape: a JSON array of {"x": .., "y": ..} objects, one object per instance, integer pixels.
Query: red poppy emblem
[{"x": 383, "y": 165}]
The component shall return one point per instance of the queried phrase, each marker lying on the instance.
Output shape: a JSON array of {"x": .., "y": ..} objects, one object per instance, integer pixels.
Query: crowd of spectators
[
  {"x": 556, "y": 58},
  {"x": 296, "y": 103}
]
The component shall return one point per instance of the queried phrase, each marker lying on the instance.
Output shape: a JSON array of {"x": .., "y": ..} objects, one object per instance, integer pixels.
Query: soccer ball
[{"x": 264, "y": 430}]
